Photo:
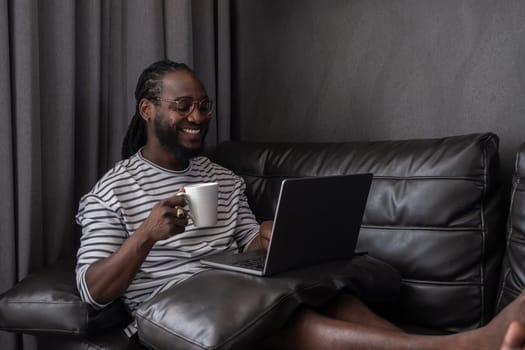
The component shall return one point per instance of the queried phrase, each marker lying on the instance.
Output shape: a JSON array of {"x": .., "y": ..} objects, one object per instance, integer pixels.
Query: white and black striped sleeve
[
  {"x": 102, "y": 234},
  {"x": 247, "y": 226}
]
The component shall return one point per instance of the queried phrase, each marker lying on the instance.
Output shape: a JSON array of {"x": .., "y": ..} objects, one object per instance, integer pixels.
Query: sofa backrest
[
  {"x": 433, "y": 212},
  {"x": 513, "y": 270}
]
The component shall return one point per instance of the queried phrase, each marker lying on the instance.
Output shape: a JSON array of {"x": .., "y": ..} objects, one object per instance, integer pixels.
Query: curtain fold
[
  {"x": 8, "y": 253},
  {"x": 68, "y": 70}
]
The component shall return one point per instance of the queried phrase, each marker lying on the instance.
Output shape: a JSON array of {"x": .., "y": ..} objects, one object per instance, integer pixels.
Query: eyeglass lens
[{"x": 186, "y": 105}]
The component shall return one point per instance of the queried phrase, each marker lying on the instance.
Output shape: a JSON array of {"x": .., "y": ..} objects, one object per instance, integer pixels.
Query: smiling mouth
[{"x": 191, "y": 131}]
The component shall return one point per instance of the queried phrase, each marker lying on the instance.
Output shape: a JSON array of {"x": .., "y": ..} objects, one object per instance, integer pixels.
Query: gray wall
[{"x": 335, "y": 70}]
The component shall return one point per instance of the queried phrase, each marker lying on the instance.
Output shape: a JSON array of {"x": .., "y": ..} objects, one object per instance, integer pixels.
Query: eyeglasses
[{"x": 186, "y": 105}]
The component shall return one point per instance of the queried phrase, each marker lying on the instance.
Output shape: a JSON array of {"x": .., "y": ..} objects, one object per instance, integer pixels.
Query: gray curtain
[{"x": 67, "y": 74}]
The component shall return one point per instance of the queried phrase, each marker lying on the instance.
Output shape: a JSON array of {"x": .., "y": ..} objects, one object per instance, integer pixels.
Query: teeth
[{"x": 191, "y": 131}]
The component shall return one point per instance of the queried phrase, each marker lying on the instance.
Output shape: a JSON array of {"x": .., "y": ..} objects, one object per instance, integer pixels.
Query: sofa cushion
[
  {"x": 47, "y": 302},
  {"x": 219, "y": 309},
  {"x": 513, "y": 272},
  {"x": 434, "y": 212},
  {"x": 110, "y": 339}
]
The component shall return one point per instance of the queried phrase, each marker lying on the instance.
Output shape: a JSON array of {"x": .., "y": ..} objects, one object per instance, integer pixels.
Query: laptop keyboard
[{"x": 256, "y": 263}]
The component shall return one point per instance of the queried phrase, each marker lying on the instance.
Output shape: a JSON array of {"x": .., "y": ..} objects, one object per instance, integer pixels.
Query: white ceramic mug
[{"x": 202, "y": 200}]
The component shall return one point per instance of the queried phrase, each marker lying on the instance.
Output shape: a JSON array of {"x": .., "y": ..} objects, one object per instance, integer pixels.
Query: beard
[{"x": 168, "y": 140}]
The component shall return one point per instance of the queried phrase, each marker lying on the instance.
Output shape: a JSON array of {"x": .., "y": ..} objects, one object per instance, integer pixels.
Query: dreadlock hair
[{"x": 149, "y": 86}]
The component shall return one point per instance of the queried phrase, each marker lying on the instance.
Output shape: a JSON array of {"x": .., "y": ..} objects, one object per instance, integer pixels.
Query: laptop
[{"x": 317, "y": 220}]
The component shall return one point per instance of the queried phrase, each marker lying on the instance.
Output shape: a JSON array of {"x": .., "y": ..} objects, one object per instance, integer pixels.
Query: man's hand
[
  {"x": 262, "y": 241},
  {"x": 167, "y": 218},
  {"x": 265, "y": 233}
]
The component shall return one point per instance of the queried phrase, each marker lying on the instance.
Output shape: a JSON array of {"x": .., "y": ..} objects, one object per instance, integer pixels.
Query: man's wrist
[{"x": 143, "y": 240}]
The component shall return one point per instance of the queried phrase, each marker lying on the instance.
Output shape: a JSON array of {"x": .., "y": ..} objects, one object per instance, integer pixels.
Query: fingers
[
  {"x": 175, "y": 215},
  {"x": 174, "y": 207},
  {"x": 174, "y": 221},
  {"x": 175, "y": 200},
  {"x": 167, "y": 218}
]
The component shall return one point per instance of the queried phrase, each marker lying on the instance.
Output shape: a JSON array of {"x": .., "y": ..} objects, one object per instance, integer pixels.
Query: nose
[{"x": 197, "y": 117}]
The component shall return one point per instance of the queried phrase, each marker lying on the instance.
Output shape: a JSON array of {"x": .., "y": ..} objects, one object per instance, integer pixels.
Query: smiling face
[{"x": 169, "y": 124}]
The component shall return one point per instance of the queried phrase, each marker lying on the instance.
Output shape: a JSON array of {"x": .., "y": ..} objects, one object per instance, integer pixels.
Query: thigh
[{"x": 349, "y": 308}]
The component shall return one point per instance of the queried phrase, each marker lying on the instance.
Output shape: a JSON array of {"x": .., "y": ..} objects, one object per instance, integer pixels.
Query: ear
[{"x": 146, "y": 109}]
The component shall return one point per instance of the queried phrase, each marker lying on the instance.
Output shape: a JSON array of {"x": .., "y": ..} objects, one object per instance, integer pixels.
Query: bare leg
[
  {"x": 350, "y": 309},
  {"x": 515, "y": 337},
  {"x": 310, "y": 330}
]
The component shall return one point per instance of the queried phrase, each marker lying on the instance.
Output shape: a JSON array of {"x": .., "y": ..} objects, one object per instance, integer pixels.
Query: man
[{"x": 134, "y": 245}]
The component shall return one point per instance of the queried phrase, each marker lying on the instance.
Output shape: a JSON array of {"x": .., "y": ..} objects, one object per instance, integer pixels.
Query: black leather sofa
[{"x": 435, "y": 213}]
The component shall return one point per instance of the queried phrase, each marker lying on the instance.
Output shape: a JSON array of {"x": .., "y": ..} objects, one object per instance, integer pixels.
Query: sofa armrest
[
  {"x": 512, "y": 272},
  {"x": 47, "y": 302}
]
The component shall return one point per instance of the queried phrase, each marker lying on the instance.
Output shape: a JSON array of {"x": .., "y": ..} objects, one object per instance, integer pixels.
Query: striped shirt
[{"x": 123, "y": 198}]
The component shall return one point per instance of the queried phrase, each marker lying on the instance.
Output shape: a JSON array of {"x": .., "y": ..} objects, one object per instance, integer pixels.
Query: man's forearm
[{"x": 108, "y": 278}]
